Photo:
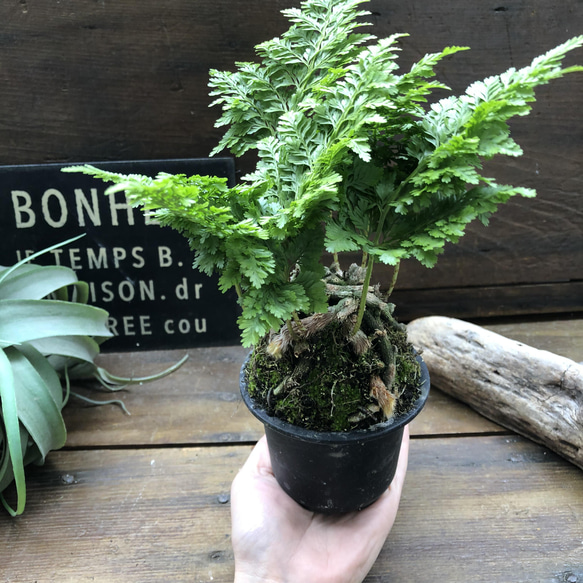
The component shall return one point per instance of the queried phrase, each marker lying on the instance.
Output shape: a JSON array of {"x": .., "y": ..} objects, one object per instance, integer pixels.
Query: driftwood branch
[{"x": 533, "y": 392}]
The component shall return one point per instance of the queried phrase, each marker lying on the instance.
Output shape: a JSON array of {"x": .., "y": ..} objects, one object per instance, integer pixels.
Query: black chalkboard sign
[{"x": 138, "y": 271}]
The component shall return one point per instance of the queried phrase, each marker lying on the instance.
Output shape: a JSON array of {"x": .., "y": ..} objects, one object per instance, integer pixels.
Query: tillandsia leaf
[
  {"x": 62, "y": 349},
  {"x": 25, "y": 320},
  {"x": 12, "y": 433},
  {"x": 34, "y": 282},
  {"x": 98, "y": 403},
  {"x": 112, "y": 379},
  {"x": 112, "y": 383},
  {"x": 43, "y": 344},
  {"x": 29, "y": 455},
  {"x": 8, "y": 271},
  {"x": 36, "y": 385},
  {"x": 6, "y": 474}
]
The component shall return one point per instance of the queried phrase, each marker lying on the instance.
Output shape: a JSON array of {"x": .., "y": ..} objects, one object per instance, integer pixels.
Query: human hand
[{"x": 276, "y": 540}]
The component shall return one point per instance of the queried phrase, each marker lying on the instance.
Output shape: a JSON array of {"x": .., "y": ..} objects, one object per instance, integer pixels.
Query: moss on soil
[{"x": 327, "y": 386}]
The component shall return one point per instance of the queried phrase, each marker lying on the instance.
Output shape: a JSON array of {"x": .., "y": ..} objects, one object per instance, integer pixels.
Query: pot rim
[{"x": 373, "y": 432}]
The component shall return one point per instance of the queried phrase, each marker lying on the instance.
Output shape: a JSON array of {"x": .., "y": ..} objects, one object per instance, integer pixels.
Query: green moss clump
[{"x": 326, "y": 387}]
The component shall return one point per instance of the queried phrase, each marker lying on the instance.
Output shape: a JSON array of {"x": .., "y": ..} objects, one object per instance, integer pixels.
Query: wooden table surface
[{"x": 145, "y": 498}]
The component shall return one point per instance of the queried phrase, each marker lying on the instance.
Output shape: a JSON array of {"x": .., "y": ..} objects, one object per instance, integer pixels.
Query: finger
[
  {"x": 258, "y": 461},
  {"x": 371, "y": 526},
  {"x": 248, "y": 472},
  {"x": 402, "y": 464},
  {"x": 384, "y": 510}
]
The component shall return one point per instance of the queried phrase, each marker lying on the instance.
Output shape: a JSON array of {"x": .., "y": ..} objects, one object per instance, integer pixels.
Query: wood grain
[
  {"x": 106, "y": 516},
  {"x": 82, "y": 80},
  {"x": 486, "y": 302},
  {"x": 443, "y": 414},
  {"x": 144, "y": 508},
  {"x": 563, "y": 337},
  {"x": 533, "y": 392},
  {"x": 485, "y": 509},
  {"x": 200, "y": 403},
  {"x": 447, "y": 415}
]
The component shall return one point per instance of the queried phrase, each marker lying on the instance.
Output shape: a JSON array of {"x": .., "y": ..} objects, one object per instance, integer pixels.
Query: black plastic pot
[{"x": 335, "y": 472}]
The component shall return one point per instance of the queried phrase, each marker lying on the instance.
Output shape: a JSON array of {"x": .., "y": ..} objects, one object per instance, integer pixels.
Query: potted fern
[
  {"x": 49, "y": 337},
  {"x": 350, "y": 159}
]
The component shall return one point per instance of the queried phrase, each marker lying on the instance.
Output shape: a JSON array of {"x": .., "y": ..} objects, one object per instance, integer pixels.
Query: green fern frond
[{"x": 346, "y": 144}]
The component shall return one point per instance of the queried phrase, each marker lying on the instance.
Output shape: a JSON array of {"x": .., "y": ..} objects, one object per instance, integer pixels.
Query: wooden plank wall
[{"x": 87, "y": 80}]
